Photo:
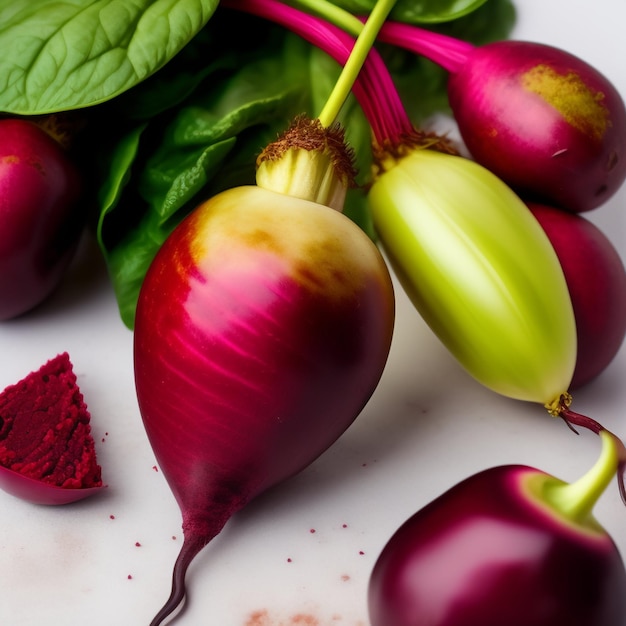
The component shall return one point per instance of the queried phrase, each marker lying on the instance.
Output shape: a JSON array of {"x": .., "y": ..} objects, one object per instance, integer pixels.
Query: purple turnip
[
  {"x": 40, "y": 219},
  {"x": 262, "y": 328},
  {"x": 596, "y": 280},
  {"x": 540, "y": 118},
  {"x": 510, "y": 546}
]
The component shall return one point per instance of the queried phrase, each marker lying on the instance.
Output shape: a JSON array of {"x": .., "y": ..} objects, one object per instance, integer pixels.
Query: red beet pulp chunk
[{"x": 45, "y": 431}]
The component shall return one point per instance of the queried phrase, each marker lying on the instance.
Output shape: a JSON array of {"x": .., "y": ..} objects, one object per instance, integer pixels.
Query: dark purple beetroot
[
  {"x": 543, "y": 120},
  {"x": 509, "y": 546},
  {"x": 40, "y": 218},
  {"x": 596, "y": 280}
]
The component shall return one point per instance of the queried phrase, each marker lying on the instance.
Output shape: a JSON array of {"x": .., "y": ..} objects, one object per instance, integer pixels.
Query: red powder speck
[
  {"x": 111, "y": 516},
  {"x": 137, "y": 544},
  {"x": 305, "y": 620},
  {"x": 103, "y": 439},
  {"x": 312, "y": 531},
  {"x": 289, "y": 560},
  {"x": 155, "y": 468},
  {"x": 345, "y": 578},
  {"x": 130, "y": 577},
  {"x": 258, "y": 618},
  {"x": 173, "y": 537},
  {"x": 262, "y": 617},
  {"x": 344, "y": 526},
  {"x": 361, "y": 552}
]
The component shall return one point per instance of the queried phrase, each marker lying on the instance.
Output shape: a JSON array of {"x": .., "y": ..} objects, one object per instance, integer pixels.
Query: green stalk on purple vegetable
[{"x": 509, "y": 545}]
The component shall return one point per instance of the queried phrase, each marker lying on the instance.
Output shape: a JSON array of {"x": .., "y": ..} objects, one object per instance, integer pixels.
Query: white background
[{"x": 427, "y": 426}]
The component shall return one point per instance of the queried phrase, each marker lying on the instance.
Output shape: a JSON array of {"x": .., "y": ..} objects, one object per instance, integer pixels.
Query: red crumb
[
  {"x": 137, "y": 544},
  {"x": 111, "y": 516},
  {"x": 130, "y": 577},
  {"x": 174, "y": 537},
  {"x": 361, "y": 552},
  {"x": 345, "y": 578},
  {"x": 155, "y": 468},
  {"x": 312, "y": 530},
  {"x": 44, "y": 428}
]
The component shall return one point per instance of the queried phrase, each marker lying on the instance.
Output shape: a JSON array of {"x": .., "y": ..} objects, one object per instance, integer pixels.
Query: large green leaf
[{"x": 62, "y": 55}]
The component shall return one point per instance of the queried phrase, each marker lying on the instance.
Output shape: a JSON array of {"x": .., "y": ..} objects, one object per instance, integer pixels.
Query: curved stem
[
  {"x": 576, "y": 500},
  {"x": 189, "y": 550},
  {"x": 333, "y": 14},
  {"x": 364, "y": 43},
  {"x": 374, "y": 88},
  {"x": 447, "y": 52},
  {"x": 577, "y": 419}
]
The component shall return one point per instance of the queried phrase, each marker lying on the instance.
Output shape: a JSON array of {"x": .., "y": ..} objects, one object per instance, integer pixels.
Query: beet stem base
[{"x": 190, "y": 548}]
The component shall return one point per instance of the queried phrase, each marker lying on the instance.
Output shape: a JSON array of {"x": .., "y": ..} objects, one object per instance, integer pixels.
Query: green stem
[
  {"x": 333, "y": 14},
  {"x": 576, "y": 500},
  {"x": 351, "y": 69}
]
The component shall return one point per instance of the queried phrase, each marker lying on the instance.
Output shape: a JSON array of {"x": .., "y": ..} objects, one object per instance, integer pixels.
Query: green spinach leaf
[{"x": 58, "y": 56}]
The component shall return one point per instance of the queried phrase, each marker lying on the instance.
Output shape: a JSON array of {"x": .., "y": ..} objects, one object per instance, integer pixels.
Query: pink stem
[
  {"x": 447, "y": 52},
  {"x": 374, "y": 88}
]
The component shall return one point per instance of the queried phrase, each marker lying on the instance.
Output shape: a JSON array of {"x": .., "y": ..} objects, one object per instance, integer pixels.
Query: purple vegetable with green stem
[
  {"x": 262, "y": 329},
  {"x": 475, "y": 262},
  {"x": 509, "y": 545}
]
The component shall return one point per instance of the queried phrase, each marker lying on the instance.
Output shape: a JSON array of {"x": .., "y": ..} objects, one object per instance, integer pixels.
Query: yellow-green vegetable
[{"x": 480, "y": 270}]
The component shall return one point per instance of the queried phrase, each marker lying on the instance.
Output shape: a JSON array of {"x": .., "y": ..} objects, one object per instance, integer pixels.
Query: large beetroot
[
  {"x": 262, "y": 329},
  {"x": 540, "y": 118},
  {"x": 263, "y": 326}
]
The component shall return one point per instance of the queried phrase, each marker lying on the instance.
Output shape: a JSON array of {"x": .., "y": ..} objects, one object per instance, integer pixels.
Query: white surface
[{"x": 427, "y": 426}]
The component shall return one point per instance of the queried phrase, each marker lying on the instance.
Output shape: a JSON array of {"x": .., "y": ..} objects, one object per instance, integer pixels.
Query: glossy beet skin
[
  {"x": 258, "y": 339},
  {"x": 487, "y": 553},
  {"x": 40, "y": 221},
  {"x": 596, "y": 280},
  {"x": 543, "y": 120},
  {"x": 262, "y": 329}
]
